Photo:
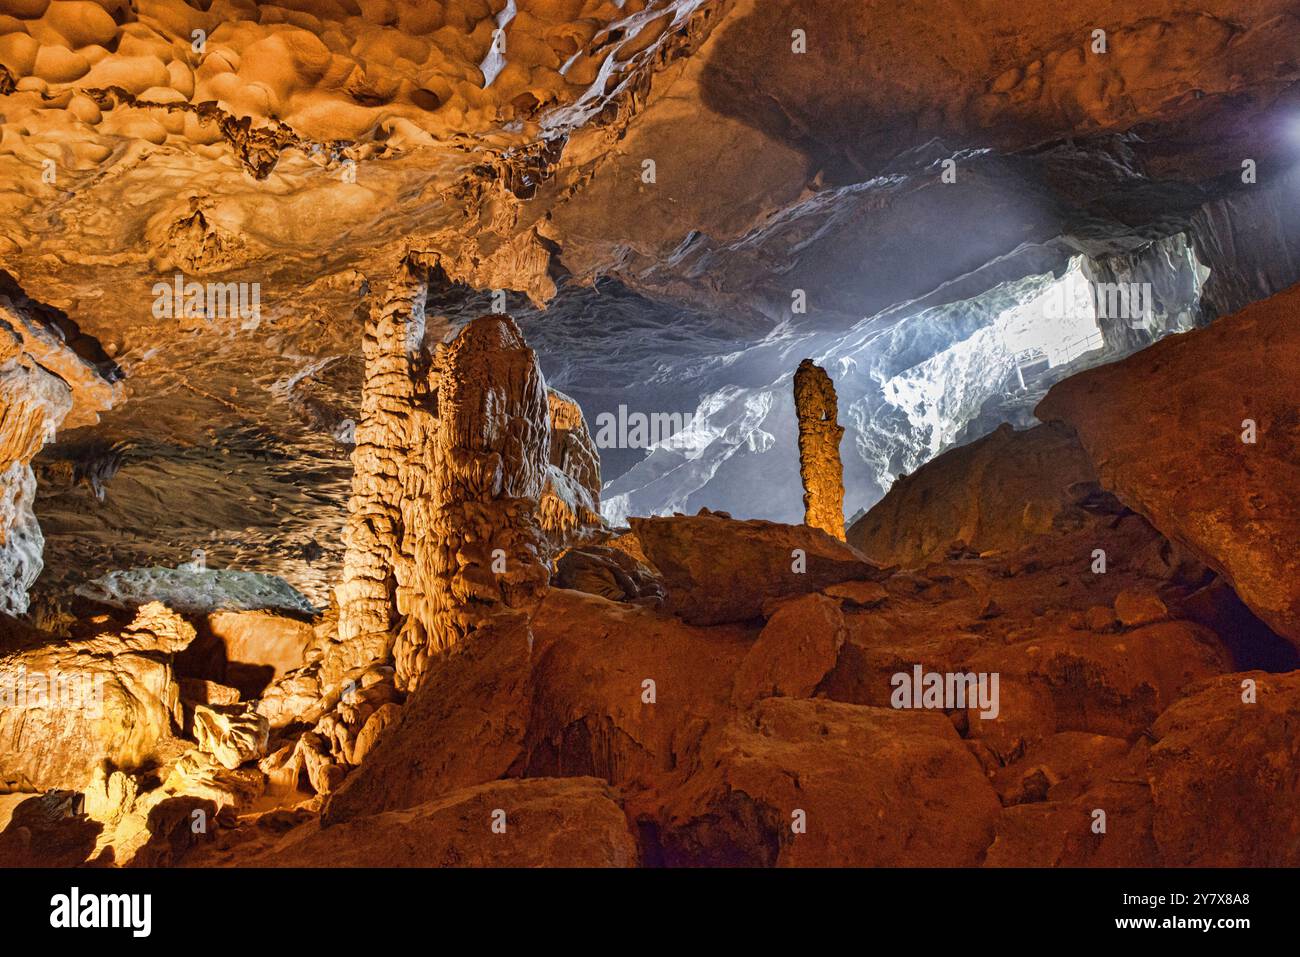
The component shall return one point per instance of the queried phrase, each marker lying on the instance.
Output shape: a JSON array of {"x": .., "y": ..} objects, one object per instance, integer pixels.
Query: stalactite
[{"x": 819, "y": 449}]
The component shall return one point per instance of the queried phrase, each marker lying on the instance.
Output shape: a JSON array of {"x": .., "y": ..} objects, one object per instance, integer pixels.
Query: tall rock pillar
[
  {"x": 819, "y": 449},
  {"x": 478, "y": 468},
  {"x": 373, "y": 566}
]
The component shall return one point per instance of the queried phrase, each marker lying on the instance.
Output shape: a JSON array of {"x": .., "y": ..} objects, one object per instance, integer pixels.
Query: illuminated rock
[
  {"x": 43, "y": 384},
  {"x": 233, "y": 735},
  {"x": 996, "y": 494},
  {"x": 374, "y": 567},
  {"x": 716, "y": 569},
  {"x": 66, "y": 706},
  {"x": 569, "y": 510},
  {"x": 819, "y": 449},
  {"x": 478, "y": 469}
]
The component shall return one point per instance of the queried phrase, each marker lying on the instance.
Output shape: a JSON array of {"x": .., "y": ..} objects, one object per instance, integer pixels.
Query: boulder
[
  {"x": 465, "y": 725},
  {"x": 1199, "y": 433},
  {"x": 719, "y": 570},
  {"x": 1136, "y": 608},
  {"x": 1112, "y": 685},
  {"x": 609, "y": 572},
  {"x": 567, "y": 695},
  {"x": 794, "y": 651},
  {"x": 995, "y": 494},
  {"x": 539, "y": 822},
  {"x": 1225, "y": 773},
  {"x": 819, "y": 783},
  {"x": 67, "y": 706},
  {"x": 233, "y": 735},
  {"x": 625, "y": 694}
]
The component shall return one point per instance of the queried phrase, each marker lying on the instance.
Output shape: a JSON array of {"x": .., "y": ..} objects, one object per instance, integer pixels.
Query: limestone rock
[
  {"x": 627, "y": 694},
  {"x": 718, "y": 570},
  {"x": 247, "y": 649},
  {"x": 569, "y": 509},
  {"x": 565, "y": 695},
  {"x": 994, "y": 494},
  {"x": 465, "y": 725},
  {"x": 66, "y": 706},
  {"x": 373, "y": 563},
  {"x": 196, "y": 590},
  {"x": 1062, "y": 831},
  {"x": 796, "y": 648},
  {"x": 1187, "y": 407},
  {"x": 870, "y": 787},
  {"x": 1100, "y": 618},
  {"x": 1137, "y": 608},
  {"x": 45, "y": 830},
  {"x": 157, "y": 826},
  {"x": 232, "y": 736},
  {"x": 469, "y": 513},
  {"x": 1215, "y": 750},
  {"x": 43, "y": 382},
  {"x": 609, "y": 572},
  {"x": 541, "y": 822},
  {"x": 201, "y": 691},
  {"x": 819, "y": 448},
  {"x": 1114, "y": 685},
  {"x": 857, "y": 594}
]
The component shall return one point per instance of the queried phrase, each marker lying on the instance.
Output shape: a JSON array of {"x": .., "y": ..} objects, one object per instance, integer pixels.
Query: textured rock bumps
[
  {"x": 468, "y": 475},
  {"x": 570, "y": 506},
  {"x": 374, "y": 567}
]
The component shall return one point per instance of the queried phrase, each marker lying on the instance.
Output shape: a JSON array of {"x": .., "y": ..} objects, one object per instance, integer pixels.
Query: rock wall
[
  {"x": 1250, "y": 241},
  {"x": 819, "y": 448}
]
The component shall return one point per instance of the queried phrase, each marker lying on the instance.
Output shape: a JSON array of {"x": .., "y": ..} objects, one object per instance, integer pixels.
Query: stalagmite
[
  {"x": 478, "y": 468},
  {"x": 373, "y": 566},
  {"x": 819, "y": 449}
]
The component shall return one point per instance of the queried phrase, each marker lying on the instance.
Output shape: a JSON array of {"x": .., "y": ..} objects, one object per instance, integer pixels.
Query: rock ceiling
[{"x": 308, "y": 147}]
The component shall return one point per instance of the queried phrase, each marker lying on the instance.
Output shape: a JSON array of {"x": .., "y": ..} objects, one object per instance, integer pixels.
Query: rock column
[
  {"x": 819, "y": 449},
  {"x": 373, "y": 566},
  {"x": 478, "y": 468}
]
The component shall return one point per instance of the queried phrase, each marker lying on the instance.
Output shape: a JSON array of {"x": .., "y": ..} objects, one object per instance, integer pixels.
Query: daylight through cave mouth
[{"x": 607, "y": 412}]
